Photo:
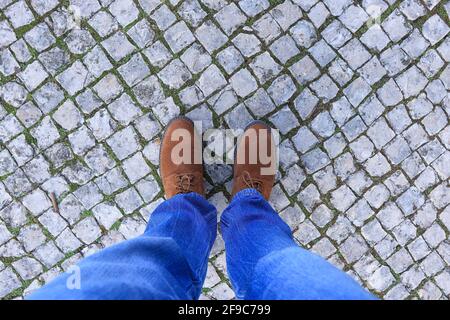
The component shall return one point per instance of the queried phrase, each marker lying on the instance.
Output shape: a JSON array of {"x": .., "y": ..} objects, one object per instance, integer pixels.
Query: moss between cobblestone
[
  {"x": 209, "y": 12},
  {"x": 293, "y": 60},
  {"x": 14, "y": 230},
  {"x": 206, "y": 290},
  {"x": 65, "y": 3},
  {"x": 46, "y": 232},
  {"x": 110, "y": 153},
  {"x": 389, "y": 10},
  {"x": 29, "y": 138},
  {"x": 73, "y": 187},
  {"x": 86, "y": 214},
  {"x": 16, "y": 293},
  {"x": 223, "y": 277},
  {"x": 440, "y": 10},
  {"x": 20, "y": 32},
  {"x": 86, "y": 26},
  {"x": 32, "y": 220},
  {"x": 274, "y": 3},
  {"x": 108, "y": 198},
  {"x": 68, "y": 255},
  {"x": 9, "y": 109},
  {"x": 116, "y": 225}
]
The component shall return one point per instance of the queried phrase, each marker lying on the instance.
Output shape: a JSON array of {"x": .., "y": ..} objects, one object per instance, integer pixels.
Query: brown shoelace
[
  {"x": 251, "y": 182},
  {"x": 185, "y": 183}
]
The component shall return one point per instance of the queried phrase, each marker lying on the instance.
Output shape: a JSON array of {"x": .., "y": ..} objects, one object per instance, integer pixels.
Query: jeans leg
[
  {"x": 264, "y": 262},
  {"x": 168, "y": 261}
]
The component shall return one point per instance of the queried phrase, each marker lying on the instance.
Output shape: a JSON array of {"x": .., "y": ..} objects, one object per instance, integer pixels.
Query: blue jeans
[{"x": 169, "y": 260}]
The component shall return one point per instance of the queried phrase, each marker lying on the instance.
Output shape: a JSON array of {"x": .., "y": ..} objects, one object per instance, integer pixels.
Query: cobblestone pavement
[{"x": 359, "y": 91}]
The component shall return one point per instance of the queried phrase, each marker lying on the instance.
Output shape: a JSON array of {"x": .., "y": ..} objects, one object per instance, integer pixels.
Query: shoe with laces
[
  {"x": 180, "y": 162},
  {"x": 255, "y": 160}
]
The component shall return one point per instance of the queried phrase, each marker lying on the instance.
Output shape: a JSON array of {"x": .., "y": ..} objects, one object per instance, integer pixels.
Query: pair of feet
[{"x": 181, "y": 167}]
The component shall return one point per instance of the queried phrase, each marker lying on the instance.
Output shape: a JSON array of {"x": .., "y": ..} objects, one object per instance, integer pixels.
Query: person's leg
[
  {"x": 264, "y": 262},
  {"x": 168, "y": 261}
]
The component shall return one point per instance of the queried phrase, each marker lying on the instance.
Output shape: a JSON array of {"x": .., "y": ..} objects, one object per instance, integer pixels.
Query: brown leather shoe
[
  {"x": 252, "y": 168},
  {"x": 180, "y": 158}
]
